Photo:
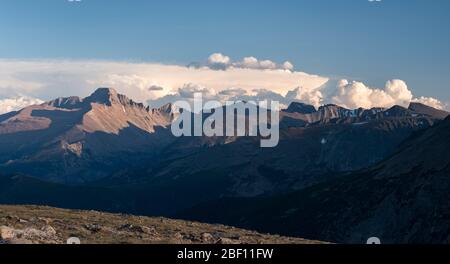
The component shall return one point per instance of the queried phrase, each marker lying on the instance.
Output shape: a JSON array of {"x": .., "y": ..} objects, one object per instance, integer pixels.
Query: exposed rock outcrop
[{"x": 94, "y": 227}]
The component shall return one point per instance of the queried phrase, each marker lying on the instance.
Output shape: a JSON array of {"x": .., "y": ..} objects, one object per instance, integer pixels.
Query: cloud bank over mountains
[
  {"x": 356, "y": 94},
  {"x": 13, "y": 104},
  {"x": 26, "y": 82}
]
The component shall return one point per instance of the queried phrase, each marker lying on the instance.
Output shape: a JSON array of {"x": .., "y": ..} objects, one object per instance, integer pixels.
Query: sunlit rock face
[{"x": 74, "y": 140}]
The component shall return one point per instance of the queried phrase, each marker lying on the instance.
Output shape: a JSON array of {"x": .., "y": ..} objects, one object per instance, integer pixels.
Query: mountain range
[
  {"x": 403, "y": 199},
  {"x": 107, "y": 152}
]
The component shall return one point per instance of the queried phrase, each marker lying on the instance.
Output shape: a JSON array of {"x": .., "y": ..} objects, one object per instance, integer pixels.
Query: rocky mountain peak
[
  {"x": 107, "y": 96},
  {"x": 300, "y": 108},
  {"x": 332, "y": 111},
  {"x": 428, "y": 110},
  {"x": 167, "y": 108},
  {"x": 67, "y": 102},
  {"x": 110, "y": 97},
  {"x": 398, "y": 111}
]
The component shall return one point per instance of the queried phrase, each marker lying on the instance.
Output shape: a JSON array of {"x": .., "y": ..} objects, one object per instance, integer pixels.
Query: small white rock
[{"x": 7, "y": 233}]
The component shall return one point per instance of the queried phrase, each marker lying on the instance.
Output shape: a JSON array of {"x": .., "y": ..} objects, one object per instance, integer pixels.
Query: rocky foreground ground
[{"x": 45, "y": 225}]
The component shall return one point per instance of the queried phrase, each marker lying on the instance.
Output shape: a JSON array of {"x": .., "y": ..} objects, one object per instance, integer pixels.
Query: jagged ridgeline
[{"x": 76, "y": 141}]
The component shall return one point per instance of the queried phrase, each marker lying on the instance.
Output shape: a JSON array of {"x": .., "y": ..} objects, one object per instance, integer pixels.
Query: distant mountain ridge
[
  {"x": 335, "y": 113},
  {"x": 125, "y": 151},
  {"x": 77, "y": 140},
  {"x": 313, "y": 146}
]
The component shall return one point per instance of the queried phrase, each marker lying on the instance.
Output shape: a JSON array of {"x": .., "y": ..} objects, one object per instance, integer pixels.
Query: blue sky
[{"x": 355, "y": 39}]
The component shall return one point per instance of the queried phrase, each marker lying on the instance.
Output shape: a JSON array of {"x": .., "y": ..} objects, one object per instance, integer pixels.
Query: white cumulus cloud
[
  {"x": 218, "y": 58},
  {"x": 396, "y": 92},
  {"x": 219, "y": 61},
  {"x": 356, "y": 94},
  {"x": 17, "y": 103}
]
